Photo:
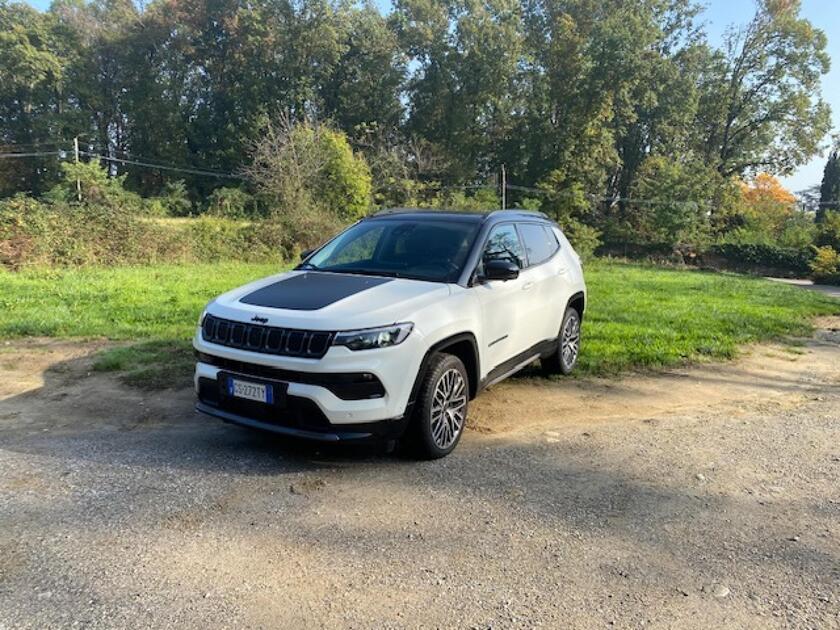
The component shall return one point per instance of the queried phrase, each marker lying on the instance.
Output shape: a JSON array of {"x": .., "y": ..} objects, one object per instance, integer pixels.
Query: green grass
[
  {"x": 154, "y": 364},
  {"x": 638, "y": 317},
  {"x": 159, "y": 302},
  {"x": 647, "y": 317}
]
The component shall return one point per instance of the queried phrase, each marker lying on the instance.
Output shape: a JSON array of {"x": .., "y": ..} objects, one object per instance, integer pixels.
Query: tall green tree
[
  {"x": 830, "y": 187},
  {"x": 368, "y": 76},
  {"x": 760, "y": 106},
  {"x": 465, "y": 56},
  {"x": 32, "y": 80}
]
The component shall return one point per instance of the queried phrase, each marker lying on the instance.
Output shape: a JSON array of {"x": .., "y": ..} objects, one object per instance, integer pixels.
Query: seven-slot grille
[{"x": 310, "y": 344}]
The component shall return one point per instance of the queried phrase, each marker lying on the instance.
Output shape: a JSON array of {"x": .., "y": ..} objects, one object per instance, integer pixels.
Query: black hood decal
[{"x": 311, "y": 291}]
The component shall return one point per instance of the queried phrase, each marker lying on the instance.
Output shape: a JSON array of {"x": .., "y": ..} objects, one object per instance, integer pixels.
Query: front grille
[{"x": 310, "y": 344}]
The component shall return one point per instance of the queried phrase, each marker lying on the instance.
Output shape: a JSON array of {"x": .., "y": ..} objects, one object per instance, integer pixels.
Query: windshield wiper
[
  {"x": 308, "y": 265},
  {"x": 366, "y": 272}
]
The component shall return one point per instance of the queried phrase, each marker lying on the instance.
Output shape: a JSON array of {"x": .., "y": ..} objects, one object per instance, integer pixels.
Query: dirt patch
[{"x": 769, "y": 375}]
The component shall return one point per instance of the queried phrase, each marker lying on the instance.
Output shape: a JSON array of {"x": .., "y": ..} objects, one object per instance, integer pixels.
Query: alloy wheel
[
  {"x": 570, "y": 341},
  {"x": 448, "y": 408}
]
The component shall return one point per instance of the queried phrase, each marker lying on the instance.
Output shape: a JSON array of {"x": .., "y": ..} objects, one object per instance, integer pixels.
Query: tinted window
[
  {"x": 425, "y": 250},
  {"x": 540, "y": 243},
  {"x": 503, "y": 244}
]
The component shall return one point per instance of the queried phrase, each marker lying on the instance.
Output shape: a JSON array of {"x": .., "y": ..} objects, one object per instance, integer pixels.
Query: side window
[
  {"x": 504, "y": 244},
  {"x": 540, "y": 243},
  {"x": 552, "y": 238}
]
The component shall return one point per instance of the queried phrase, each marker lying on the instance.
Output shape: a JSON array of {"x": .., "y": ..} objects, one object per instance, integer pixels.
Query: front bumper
[
  {"x": 315, "y": 409},
  {"x": 340, "y": 433}
]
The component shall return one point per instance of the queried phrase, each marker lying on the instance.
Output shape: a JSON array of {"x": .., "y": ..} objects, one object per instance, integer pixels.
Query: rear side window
[{"x": 540, "y": 242}]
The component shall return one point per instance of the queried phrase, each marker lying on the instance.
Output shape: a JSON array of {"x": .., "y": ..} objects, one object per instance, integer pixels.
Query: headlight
[{"x": 373, "y": 337}]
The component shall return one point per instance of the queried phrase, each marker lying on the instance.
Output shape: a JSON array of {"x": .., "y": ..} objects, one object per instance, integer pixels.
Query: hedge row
[
  {"x": 34, "y": 233},
  {"x": 757, "y": 255}
]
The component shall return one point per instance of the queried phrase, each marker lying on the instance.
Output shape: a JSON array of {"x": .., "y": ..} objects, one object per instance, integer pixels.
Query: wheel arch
[
  {"x": 578, "y": 302},
  {"x": 462, "y": 345}
]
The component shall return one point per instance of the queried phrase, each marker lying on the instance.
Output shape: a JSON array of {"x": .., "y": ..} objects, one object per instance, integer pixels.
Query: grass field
[{"x": 638, "y": 317}]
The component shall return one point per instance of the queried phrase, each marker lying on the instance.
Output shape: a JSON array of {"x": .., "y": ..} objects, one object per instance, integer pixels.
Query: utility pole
[
  {"x": 504, "y": 186},
  {"x": 78, "y": 181}
]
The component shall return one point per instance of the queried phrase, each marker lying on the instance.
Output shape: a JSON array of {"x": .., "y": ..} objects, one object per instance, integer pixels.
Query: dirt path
[{"x": 706, "y": 497}]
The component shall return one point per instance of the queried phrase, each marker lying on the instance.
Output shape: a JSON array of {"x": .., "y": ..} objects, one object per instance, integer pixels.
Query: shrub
[
  {"x": 215, "y": 239},
  {"x": 826, "y": 265},
  {"x": 233, "y": 203},
  {"x": 310, "y": 178},
  {"x": 59, "y": 233},
  {"x": 584, "y": 238},
  {"x": 764, "y": 255},
  {"x": 91, "y": 183},
  {"x": 176, "y": 199},
  {"x": 676, "y": 200},
  {"x": 828, "y": 233}
]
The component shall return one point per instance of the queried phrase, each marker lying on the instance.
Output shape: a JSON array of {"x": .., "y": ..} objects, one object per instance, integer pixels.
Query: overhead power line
[
  {"x": 9, "y": 156},
  {"x": 162, "y": 167}
]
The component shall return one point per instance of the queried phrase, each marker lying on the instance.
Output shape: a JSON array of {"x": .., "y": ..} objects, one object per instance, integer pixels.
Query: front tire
[
  {"x": 440, "y": 412},
  {"x": 565, "y": 357}
]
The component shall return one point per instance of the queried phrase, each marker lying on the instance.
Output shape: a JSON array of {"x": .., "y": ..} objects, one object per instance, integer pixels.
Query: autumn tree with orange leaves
[{"x": 768, "y": 208}]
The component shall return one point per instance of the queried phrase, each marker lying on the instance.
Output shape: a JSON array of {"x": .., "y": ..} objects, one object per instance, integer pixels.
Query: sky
[{"x": 719, "y": 14}]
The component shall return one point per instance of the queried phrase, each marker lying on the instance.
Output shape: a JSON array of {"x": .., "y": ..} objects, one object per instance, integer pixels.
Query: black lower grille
[
  {"x": 298, "y": 413},
  {"x": 345, "y": 385},
  {"x": 311, "y": 344}
]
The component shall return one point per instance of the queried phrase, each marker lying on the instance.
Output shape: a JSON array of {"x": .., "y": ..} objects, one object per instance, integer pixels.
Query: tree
[
  {"x": 830, "y": 187},
  {"x": 760, "y": 106},
  {"x": 768, "y": 206},
  {"x": 31, "y": 82},
  {"x": 365, "y": 86},
  {"x": 674, "y": 202},
  {"x": 462, "y": 92},
  {"x": 310, "y": 178}
]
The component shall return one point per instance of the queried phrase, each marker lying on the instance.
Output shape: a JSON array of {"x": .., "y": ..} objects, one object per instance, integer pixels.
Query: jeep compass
[{"x": 388, "y": 330}]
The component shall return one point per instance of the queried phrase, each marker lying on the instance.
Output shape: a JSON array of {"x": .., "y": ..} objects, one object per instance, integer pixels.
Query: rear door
[{"x": 545, "y": 276}]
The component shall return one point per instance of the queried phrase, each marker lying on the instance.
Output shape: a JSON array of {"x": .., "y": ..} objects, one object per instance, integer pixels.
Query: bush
[
  {"x": 176, "y": 199},
  {"x": 215, "y": 239},
  {"x": 37, "y": 233},
  {"x": 826, "y": 265},
  {"x": 233, "y": 203},
  {"x": 680, "y": 191},
  {"x": 828, "y": 233},
  {"x": 310, "y": 178},
  {"x": 763, "y": 255},
  {"x": 584, "y": 238}
]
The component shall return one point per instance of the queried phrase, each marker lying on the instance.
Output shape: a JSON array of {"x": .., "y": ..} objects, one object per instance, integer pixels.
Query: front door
[{"x": 503, "y": 303}]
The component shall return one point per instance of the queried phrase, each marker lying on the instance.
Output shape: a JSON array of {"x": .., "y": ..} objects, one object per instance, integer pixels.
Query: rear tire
[
  {"x": 565, "y": 356},
  {"x": 440, "y": 412}
]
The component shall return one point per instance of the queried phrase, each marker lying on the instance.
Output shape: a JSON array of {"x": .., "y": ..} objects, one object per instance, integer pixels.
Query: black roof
[{"x": 454, "y": 215}]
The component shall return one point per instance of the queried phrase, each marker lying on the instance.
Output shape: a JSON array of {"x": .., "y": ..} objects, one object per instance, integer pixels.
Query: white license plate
[{"x": 249, "y": 391}]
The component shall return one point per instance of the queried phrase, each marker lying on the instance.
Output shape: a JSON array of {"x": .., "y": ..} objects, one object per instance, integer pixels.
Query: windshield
[{"x": 431, "y": 250}]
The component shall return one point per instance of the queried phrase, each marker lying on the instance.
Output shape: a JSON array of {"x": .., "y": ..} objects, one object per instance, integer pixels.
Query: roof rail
[
  {"x": 521, "y": 211},
  {"x": 388, "y": 211}
]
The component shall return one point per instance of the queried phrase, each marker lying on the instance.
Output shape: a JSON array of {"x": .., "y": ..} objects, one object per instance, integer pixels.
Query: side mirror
[
  {"x": 306, "y": 253},
  {"x": 501, "y": 270}
]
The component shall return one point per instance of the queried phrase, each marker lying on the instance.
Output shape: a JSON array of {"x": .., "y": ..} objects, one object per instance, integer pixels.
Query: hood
[{"x": 318, "y": 300}]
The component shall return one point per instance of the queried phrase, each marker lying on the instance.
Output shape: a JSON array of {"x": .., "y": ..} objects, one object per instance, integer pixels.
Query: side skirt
[{"x": 518, "y": 362}]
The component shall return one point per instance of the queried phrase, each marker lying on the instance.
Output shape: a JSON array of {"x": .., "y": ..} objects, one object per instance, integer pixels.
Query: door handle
[{"x": 527, "y": 286}]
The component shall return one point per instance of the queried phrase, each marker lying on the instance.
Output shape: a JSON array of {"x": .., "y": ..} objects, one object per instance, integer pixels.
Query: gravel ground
[{"x": 664, "y": 501}]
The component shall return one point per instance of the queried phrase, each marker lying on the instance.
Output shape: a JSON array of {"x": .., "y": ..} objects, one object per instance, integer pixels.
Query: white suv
[{"x": 389, "y": 329}]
